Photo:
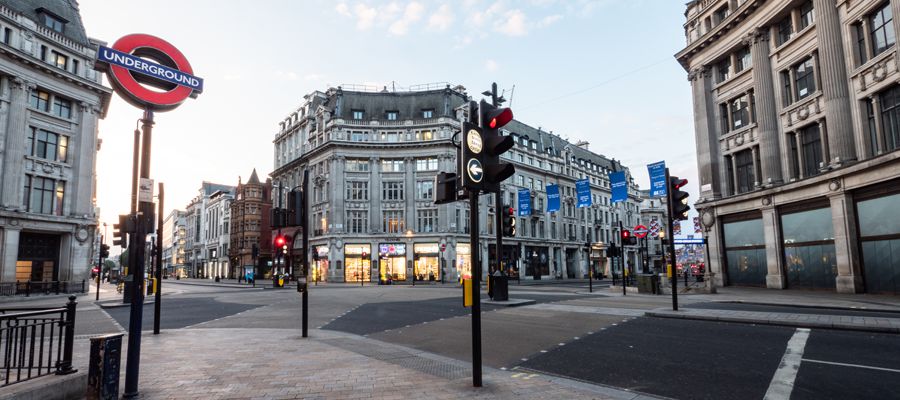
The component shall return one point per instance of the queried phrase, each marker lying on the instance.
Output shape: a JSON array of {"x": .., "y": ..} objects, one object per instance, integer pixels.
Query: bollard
[{"x": 103, "y": 373}]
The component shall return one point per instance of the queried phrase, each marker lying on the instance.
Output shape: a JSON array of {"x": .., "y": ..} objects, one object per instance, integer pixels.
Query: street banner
[
  {"x": 552, "y": 198},
  {"x": 654, "y": 228},
  {"x": 676, "y": 227},
  {"x": 697, "y": 228},
  {"x": 524, "y": 202},
  {"x": 619, "y": 186},
  {"x": 583, "y": 189},
  {"x": 657, "y": 179}
]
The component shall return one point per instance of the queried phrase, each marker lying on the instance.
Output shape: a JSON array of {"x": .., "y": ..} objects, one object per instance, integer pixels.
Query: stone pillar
[
  {"x": 706, "y": 133},
  {"x": 409, "y": 179},
  {"x": 775, "y": 278},
  {"x": 846, "y": 239},
  {"x": 879, "y": 125},
  {"x": 14, "y": 150},
  {"x": 375, "y": 195},
  {"x": 823, "y": 136},
  {"x": 734, "y": 177},
  {"x": 834, "y": 84},
  {"x": 10, "y": 254},
  {"x": 801, "y": 172},
  {"x": 81, "y": 156},
  {"x": 339, "y": 190},
  {"x": 766, "y": 113},
  {"x": 757, "y": 179}
]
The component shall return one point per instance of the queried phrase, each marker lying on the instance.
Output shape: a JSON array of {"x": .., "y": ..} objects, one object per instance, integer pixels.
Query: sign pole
[
  {"x": 304, "y": 225},
  {"x": 476, "y": 288},
  {"x": 622, "y": 257},
  {"x": 159, "y": 242},
  {"x": 671, "y": 247}
]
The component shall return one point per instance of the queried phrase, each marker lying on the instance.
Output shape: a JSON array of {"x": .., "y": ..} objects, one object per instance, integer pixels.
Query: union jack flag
[
  {"x": 697, "y": 228},
  {"x": 676, "y": 227}
]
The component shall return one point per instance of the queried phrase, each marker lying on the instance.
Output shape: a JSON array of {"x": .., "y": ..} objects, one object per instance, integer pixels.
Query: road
[{"x": 588, "y": 337}]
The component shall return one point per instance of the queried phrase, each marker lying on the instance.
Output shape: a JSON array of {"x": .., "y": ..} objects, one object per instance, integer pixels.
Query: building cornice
[{"x": 730, "y": 23}]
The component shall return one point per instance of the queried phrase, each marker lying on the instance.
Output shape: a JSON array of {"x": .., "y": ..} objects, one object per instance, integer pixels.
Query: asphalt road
[
  {"x": 177, "y": 312},
  {"x": 792, "y": 310}
]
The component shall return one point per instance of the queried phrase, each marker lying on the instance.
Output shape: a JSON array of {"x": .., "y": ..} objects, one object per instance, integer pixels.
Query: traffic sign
[
  {"x": 640, "y": 231},
  {"x": 476, "y": 173}
]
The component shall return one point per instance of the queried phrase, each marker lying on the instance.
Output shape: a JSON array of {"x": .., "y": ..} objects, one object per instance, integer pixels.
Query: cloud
[
  {"x": 549, "y": 20},
  {"x": 413, "y": 12},
  {"x": 365, "y": 16},
  {"x": 343, "y": 9},
  {"x": 442, "y": 19},
  {"x": 515, "y": 23},
  {"x": 491, "y": 65}
]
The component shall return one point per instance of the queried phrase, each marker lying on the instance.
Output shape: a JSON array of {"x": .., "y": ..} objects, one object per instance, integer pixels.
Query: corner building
[
  {"x": 50, "y": 103},
  {"x": 372, "y": 157},
  {"x": 797, "y": 119}
]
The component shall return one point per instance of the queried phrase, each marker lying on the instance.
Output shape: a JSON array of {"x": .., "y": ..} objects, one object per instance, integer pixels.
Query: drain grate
[{"x": 400, "y": 357}]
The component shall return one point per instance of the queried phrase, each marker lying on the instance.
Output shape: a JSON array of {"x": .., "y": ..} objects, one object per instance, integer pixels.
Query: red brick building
[{"x": 250, "y": 227}]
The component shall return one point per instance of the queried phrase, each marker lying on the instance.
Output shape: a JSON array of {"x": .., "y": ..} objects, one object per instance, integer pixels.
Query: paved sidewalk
[{"x": 279, "y": 364}]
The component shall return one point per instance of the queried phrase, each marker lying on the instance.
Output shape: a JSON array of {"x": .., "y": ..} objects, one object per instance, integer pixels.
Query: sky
[{"x": 596, "y": 70}]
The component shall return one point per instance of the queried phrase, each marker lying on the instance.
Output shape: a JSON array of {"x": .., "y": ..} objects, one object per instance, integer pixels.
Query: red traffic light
[
  {"x": 679, "y": 183},
  {"x": 511, "y": 212},
  {"x": 279, "y": 241},
  {"x": 626, "y": 234},
  {"x": 499, "y": 117}
]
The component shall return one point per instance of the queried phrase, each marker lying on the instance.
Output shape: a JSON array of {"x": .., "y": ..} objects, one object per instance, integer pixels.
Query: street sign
[
  {"x": 640, "y": 231},
  {"x": 690, "y": 241},
  {"x": 657, "y": 179},
  {"x": 476, "y": 173},
  {"x": 618, "y": 186}
]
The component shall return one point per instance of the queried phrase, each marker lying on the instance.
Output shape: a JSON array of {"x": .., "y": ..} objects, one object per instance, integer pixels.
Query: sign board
[
  {"x": 619, "y": 186},
  {"x": 690, "y": 241},
  {"x": 524, "y": 202},
  {"x": 552, "y": 198},
  {"x": 640, "y": 231},
  {"x": 657, "y": 179},
  {"x": 145, "y": 190},
  {"x": 391, "y": 249},
  {"x": 583, "y": 189},
  {"x": 139, "y": 59}
]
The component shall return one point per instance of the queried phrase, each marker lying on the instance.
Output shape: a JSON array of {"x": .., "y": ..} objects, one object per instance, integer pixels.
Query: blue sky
[{"x": 600, "y": 70}]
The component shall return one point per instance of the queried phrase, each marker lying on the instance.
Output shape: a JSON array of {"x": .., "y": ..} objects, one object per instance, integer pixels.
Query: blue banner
[
  {"x": 619, "y": 186},
  {"x": 524, "y": 202},
  {"x": 583, "y": 189},
  {"x": 552, "y": 198},
  {"x": 657, "y": 179}
]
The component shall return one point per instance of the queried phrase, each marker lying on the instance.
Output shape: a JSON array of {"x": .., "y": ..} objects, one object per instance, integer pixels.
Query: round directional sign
[
  {"x": 640, "y": 231},
  {"x": 473, "y": 168},
  {"x": 473, "y": 141},
  {"x": 149, "y": 72}
]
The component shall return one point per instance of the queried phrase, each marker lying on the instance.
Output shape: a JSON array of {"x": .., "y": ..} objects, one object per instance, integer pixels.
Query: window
[
  {"x": 807, "y": 17},
  {"x": 785, "y": 31},
  {"x": 722, "y": 70},
  {"x": 426, "y": 164},
  {"x": 60, "y": 60},
  {"x": 357, "y": 136},
  {"x": 744, "y": 164},
  {"x": 890, "y": 118},
  {"x": 427, "y": 220},
  {"x": 424, "y": 190},
  {"x": 7, "y": 35},
  {"x": 861, "y": 53},
  {"x": 357, "y": 190},
  {"x": 736, "y": 113},
  {"x": 357, "y": 165},
  {"x": 62, "y": 108},
  {"x": 40, "y": 100},
  {"x": 357, "y": 221},
  {"x": 391, "y": 115},
  {"x": 428, "y": 113},
  {"x": 882, "y": 29},
  {"x": 392, "y": 191},
  {"x": 393, "y": 221},
  {"x": 720, "y": 15},
  {"x": 47, "y": 145},
  {"x": 811, "y": 146},
  {"x": 53, "y": 22},
  {"x": 391, "y": 165},
  {"x": 425, "y": 135},
  {"x": 804, "y": 79},
  {"x": 44, "y": 195},
  {"x": 743, "y": 59},
  {"x": 357, "y": 114}
]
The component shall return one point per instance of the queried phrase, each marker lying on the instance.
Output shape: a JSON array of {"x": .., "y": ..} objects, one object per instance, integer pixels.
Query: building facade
[
  {"x": 174, "y": 232},
  {"x": 250, "y": 228},
  {"x": 50, "y": 103},
  {"x": 199, "y": 241},
  {"x": 372, "y": 157},
  {"x": 217, "y": 234},
  {"x": 796, "y": 118}
]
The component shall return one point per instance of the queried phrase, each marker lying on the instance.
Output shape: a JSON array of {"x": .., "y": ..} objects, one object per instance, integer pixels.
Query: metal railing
[
  {"x": 36, "y": 342},
  {"x": 28, "y": 288}
]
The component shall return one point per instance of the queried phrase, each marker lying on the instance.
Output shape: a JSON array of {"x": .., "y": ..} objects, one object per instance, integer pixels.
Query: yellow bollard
[
  {"x": 467, "y": 293},
  {"x": 669, "y": 270}
]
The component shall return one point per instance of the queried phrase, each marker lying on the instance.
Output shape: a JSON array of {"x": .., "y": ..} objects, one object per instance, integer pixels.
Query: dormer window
[
  {"x": 358, "y": 114},
  {"x": 428, "y": 113},
  {"x": 51, "y": 20},
  {"x": 391, "y": 115}
]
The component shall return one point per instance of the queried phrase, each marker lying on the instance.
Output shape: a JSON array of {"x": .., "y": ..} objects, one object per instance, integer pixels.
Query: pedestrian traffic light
[
  {"x": 104, "y": 251},
  {"x": 509, "y": 221},
  {"x": 678, "y": 198},
  {"x": 120, "y": 230},
  {"x": 295, "y": 212}
]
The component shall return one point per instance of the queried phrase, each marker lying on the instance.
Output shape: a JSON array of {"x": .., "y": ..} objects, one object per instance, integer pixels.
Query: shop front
[
  {"x": 391, "y": 262},
  {"x": 319, "y": 267},
  {"x": 463, "y": 261},
  {"x": 879, "y": 231},
  {"x": 357, "y": 266},
  {"x": 809, "y": 252},
  {"x": 537, "y": 262},
  {"x": 427, "y": 264},
  {"x": 745, "y": 251},
  {"x": 38, "y": 259}
]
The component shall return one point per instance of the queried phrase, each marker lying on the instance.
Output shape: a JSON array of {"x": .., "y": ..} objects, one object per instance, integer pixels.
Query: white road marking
[
  {"x": 783, "y": 382},
  {"x": 852, "y": 365}
]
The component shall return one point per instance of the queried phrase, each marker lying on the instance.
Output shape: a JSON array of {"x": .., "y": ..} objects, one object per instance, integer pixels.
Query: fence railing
[
  {"x": 28, "y": 288},
  {"x": 36, "y": 342}
]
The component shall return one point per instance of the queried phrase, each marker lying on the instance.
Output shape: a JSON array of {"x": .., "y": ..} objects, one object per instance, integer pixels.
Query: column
[
  {"x": 375, "y": 196},
  {"x": 10, "y": 254},
  {"x": 82, "y": 152},
  {"x": 13, "y": 165},
  {"x": 834, "y": 83},
  {"x": 734, "y": 176},
  {"x": 775, "y": 278},
  {"x": 766, "y": 114},
  {"x": 823, "y": 136},
  {"x": 846, "y": 239},
  {"x": 338, "y": 190},
  {"x": 410, "y": 182},
  {"x": 798, "y": 138},
  {"x": 879, "y": 125},
  {"x": 757, "y": 181},
  {"x": 706, "y": 133}
]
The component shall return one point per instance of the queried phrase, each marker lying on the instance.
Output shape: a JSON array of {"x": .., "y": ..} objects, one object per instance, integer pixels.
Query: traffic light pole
[
  {"x": 670, "y": 270},
  {"x": 159, "y": 242},
  {"x": 145, "y": 212},
  {"x": 99, "y": 266},
  {"x": 305, "y": 252},
  {"x": 476, "y": 288},
  {"x": 622, "y": 257}
]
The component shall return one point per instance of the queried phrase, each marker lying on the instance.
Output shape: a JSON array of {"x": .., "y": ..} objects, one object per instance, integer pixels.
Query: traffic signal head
[
  {"x": 120, "y": 230},
  {"x": 296, "y": 213},
  {"x": 678, "y": 198},
  {"x": 104, "y": 251},
  {"x": 279, "y": 241},
  {"x": 482, "y": 146},
  {"x": 509, "y": 221}
]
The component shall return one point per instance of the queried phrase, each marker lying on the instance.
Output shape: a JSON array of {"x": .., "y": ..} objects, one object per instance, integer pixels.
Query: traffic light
[
  {"x": 125, "y": 226},
  {"x": 277, "y": 219},
  {"x": 627, "y": 238},
  {"x": 104, "y": 251},
  {"x": 509, "y": 221},
  {"x": 482, "y": 146},
  {"x": 285, "y": 243},
  {"x": 296, "y": 213},
  {"x": 678, "y": 198},
  {"x": 612, "y": 251}
]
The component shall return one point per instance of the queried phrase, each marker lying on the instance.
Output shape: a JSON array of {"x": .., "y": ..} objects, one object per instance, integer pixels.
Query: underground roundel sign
[{"x": 149, "y": 72}]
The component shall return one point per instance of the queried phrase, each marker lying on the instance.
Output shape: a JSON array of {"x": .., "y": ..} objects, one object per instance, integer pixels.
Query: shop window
[
  {"x": 745, "y": 253},
  {"x": 809, "y": 254},
  {"x": 879, "y": 230}
]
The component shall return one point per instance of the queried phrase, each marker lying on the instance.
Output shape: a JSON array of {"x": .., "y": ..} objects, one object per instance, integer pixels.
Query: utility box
[
  {"x": 103, "y": 372},
  {"x": 500, "y": 288}
]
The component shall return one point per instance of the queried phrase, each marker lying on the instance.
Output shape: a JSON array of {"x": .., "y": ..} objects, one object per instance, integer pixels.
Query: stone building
[
  {"x": 250, "y": 227},
  {"x": 50, "y": 103},
  {"x": 199, "y": 241},
  {"x": 174, "y": 238},
  {"x": 217, "y": 234},
  {"x": 372, "y": 157},
  {"x": 796, "y": 107}
]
